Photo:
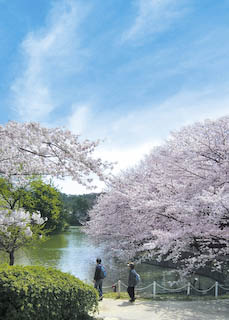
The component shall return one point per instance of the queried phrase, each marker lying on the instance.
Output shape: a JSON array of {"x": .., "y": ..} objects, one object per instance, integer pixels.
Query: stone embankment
[{"x": 110, "y": 309}]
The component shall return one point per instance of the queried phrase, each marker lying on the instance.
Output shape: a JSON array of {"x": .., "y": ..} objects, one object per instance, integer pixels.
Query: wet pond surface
[{"x": 71, "y": 251}]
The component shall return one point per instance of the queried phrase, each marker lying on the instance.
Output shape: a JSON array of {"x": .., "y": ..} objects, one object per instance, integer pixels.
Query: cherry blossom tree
[
  {"x": 175, "y": 204},
  {"x": 18, "y": 229},
  {"x": 27, "y": 149},
  {"x": 30, "y": 149}
]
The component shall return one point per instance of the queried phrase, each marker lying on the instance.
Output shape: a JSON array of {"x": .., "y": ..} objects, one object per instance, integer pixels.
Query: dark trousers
[
  {"x": 131, "y": 293},
  {"x": 99, "y": 286}
]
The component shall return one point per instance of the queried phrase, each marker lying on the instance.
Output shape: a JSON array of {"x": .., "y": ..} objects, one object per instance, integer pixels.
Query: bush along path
[
  {"x": 118, "y": 309},
  {"x": 44, "y": 293}
]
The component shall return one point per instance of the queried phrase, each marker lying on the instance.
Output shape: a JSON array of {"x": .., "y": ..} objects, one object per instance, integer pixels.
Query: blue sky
[{"x": 125, "y": 71}]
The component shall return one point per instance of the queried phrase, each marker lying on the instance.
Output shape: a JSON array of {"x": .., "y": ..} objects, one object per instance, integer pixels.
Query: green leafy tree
[
  {"x": 24, "y": 209},
  {"x": 11, "y": 195},
  {"x": 18, "y": 228},
  {"x": 46, "y": 199},
  {"x": 33, "y": 196}
]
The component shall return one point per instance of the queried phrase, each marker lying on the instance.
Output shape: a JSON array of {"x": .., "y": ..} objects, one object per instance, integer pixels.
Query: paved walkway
[{"x": 163, "y": 310}]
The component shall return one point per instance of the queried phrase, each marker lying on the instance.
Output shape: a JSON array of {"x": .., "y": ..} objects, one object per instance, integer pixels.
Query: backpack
[
  {"x": 138, "y": 278},
  {"x": 103, "y": 272}
]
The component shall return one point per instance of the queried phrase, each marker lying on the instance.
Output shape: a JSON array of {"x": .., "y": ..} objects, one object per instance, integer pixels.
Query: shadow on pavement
[{"x": 168, "y": 310}]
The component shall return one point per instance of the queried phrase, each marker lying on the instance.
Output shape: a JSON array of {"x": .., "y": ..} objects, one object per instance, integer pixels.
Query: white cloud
[
  {"x": 47, "y": 57},
  {"x": 152, "y": 124},
  {"x": 124, "y": 157},
  {"x": 153, "y": 16},
  {"x": 69, "y": 186},
  {"x": 128, "y": 137},
  {"x": 78, "y": 121}
]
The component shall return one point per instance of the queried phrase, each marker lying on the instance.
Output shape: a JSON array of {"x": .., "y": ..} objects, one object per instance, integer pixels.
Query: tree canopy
[
  {"x": 175, "y": 204},
  {"x": 18, "y": 229},
  {"x": 24, "y": 211},
  {"x": 30, "y": 149},
  {"x": 46, "y": 199}
]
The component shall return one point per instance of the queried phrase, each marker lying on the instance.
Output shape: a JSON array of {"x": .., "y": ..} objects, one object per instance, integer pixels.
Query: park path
[{"x": 110, "y": 309}]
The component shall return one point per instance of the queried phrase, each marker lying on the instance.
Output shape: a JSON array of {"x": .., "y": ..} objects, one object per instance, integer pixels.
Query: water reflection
[
  {"x": 70, "y": 251},
  {"x": 73, "y": 252}
]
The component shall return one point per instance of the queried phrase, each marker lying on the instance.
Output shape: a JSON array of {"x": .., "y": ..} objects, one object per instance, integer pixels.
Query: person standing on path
[
  {"x": 98, "y": 277},
  {"x": 132, "y": 281}
]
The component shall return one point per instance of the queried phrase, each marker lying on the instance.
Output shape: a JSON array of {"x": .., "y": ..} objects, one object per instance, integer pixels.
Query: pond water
[{"x": 71, "y": 251}]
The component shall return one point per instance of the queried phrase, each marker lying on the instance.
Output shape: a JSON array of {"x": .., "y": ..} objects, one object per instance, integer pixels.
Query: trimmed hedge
[{"x": 34, "y": 292}]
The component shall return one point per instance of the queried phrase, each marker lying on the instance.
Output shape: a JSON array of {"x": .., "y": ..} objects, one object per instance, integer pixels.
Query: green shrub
[{"x": 44, "y": 293}]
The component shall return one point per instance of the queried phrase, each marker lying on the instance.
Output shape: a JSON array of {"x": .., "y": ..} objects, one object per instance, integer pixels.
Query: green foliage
[
  {"x": 44, "y": 293},
  {"x": 34, "y": 196},
  {"x": 18, "y": 228},
  {"x": 77, "y": 207},
  {"x": 11, "y": 196},
  {"x": 46, "y": 199}
]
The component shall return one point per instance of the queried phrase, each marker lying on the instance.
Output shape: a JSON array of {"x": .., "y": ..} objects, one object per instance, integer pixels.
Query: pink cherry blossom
[
  {"x": 29, "y": 149},
  {"x": 174, "y": 205}
]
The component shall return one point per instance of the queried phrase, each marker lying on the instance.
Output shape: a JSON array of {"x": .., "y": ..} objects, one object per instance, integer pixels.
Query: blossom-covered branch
[
  {"x": 18, "y": 228},
  {"x": 29, "y": 149},
  {"x": 174, "y": 204}
]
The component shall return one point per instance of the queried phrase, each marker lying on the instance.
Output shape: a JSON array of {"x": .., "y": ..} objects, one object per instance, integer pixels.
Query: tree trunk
[{"x": 11, "y": 258}]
